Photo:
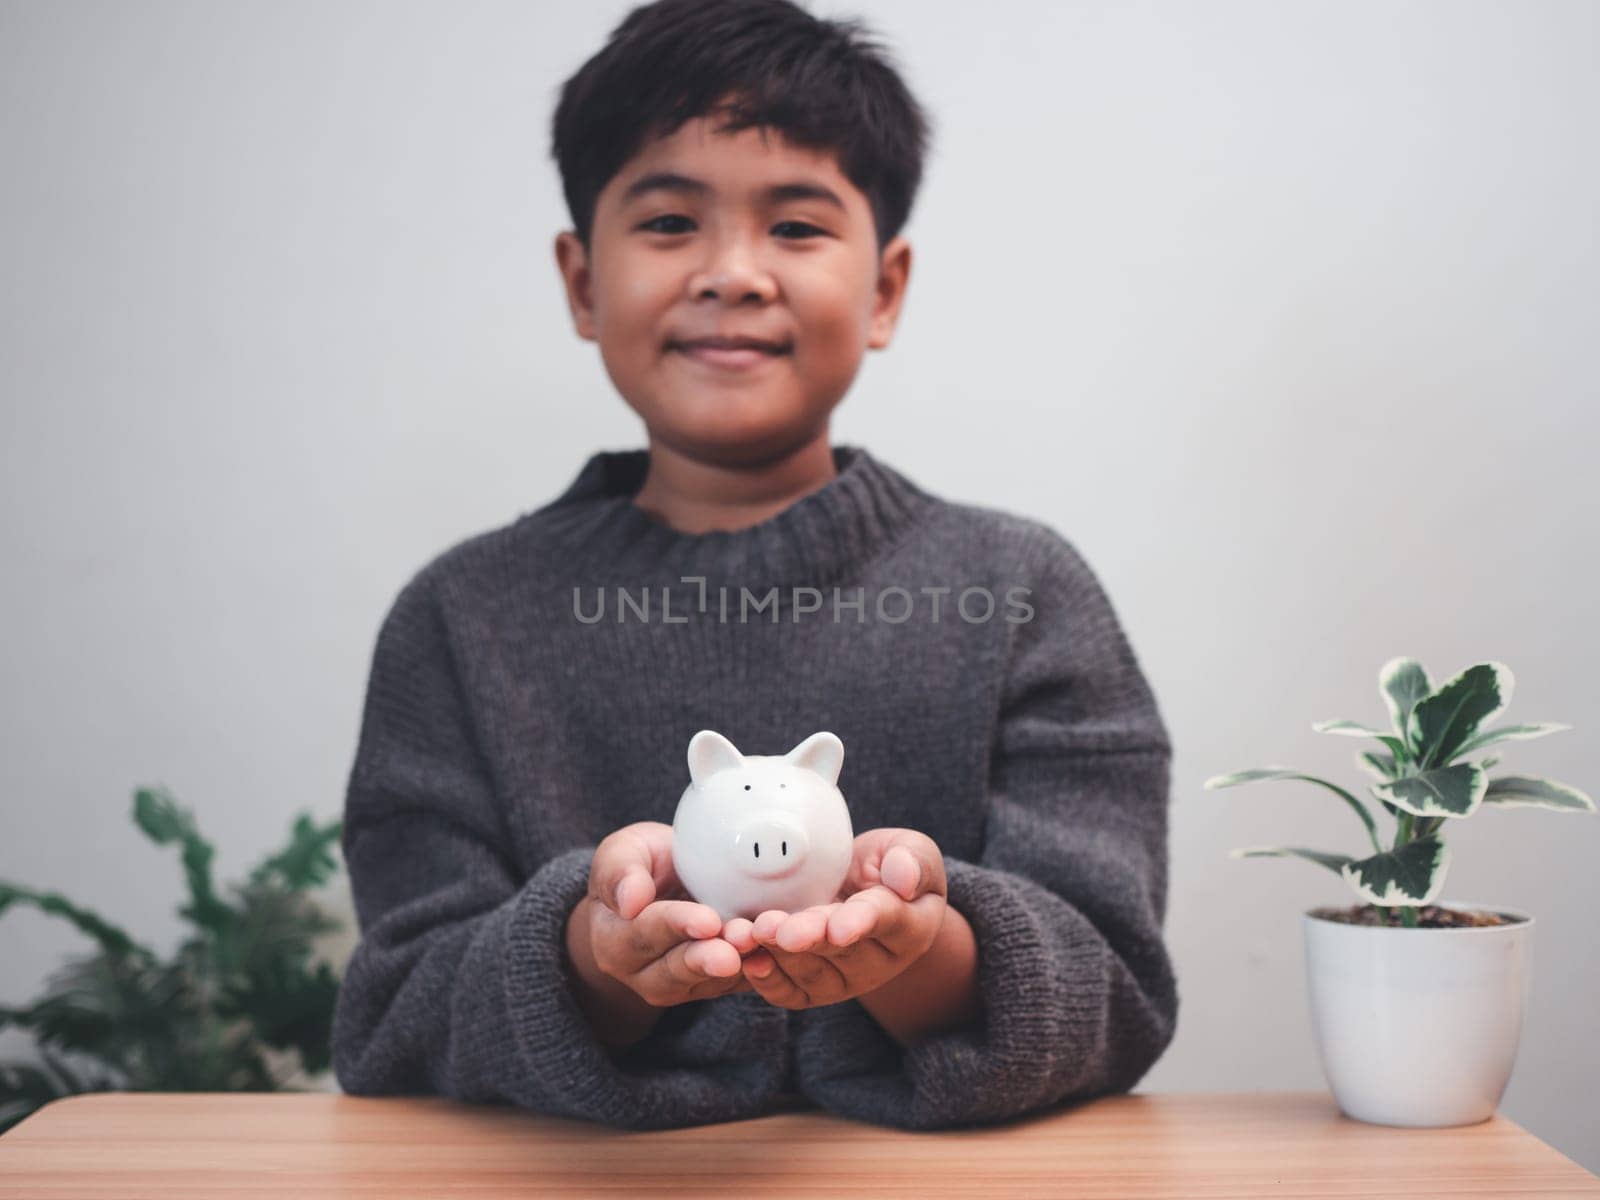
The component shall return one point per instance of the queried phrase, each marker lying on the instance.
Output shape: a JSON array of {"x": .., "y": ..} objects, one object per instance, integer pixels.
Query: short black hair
[{"x": 825, "y": 85}]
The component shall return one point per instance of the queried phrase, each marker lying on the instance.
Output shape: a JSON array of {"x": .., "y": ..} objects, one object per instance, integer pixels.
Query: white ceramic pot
[{"x": 1418, "y": 1026}]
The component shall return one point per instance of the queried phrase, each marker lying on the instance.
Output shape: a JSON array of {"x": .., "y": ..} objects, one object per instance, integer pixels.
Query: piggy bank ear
[
  {"x": 822, "y": 753},
  {"x": 710, "y": 752}
]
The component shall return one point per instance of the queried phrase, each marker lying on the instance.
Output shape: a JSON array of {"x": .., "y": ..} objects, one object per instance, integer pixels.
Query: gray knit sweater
[{"x": 535, "y": 687}]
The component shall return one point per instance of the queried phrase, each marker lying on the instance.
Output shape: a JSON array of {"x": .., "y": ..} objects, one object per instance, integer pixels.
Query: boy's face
[{"x": 732, "y": 258}]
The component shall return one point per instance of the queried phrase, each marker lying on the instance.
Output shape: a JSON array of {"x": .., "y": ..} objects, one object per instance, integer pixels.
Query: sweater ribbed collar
[{"x": 817, "y": 541}]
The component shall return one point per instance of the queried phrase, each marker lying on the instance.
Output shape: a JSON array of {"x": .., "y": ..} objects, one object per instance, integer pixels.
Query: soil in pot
[{"x": 1429, "y": 916}]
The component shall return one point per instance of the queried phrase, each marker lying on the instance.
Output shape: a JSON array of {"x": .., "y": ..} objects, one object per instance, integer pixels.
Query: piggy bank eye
[
  {"x": 747, "y": 787},
  {"x": 783, "y": 785}
]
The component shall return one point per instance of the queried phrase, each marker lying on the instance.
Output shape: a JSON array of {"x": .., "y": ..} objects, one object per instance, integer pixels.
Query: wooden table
[{"x": 1198, "y": 1147}]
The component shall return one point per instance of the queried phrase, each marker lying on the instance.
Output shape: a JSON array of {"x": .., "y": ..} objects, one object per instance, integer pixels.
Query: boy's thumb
[
  {"x": 626, "y": 887},
  {"x": 901, "y": 871}
]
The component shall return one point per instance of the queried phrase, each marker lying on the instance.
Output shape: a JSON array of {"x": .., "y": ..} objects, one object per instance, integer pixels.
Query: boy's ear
[
  {"x": 573, "y": 263},
  {"x": 710, "y": 752},
  {"x": 822, "y": 752}
]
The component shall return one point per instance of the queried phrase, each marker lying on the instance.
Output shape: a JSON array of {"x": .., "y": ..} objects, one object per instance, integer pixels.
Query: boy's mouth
[
  {"x": 730, "y": 352},
  {"x": 738, "y": 358},
  {"x": 731, "y": 343}
]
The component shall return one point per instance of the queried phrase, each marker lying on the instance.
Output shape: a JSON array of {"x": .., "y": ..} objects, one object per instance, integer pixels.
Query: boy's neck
[{"x": 694, "y": 495}]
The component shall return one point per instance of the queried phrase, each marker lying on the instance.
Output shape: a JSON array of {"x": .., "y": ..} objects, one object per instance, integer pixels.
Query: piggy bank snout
[{"x": 770, "y": 845}]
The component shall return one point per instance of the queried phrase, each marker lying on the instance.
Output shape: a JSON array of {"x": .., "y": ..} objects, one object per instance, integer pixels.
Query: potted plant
[
  {"x": 1417, "y": 1006},
  {"x": 241, "y": 1005}
]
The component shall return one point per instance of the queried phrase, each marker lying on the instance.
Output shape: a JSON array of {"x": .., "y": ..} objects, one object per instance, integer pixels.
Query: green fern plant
[
  {"x": 1421, "y": 784},
  {"x": 122, "y": 1018}
]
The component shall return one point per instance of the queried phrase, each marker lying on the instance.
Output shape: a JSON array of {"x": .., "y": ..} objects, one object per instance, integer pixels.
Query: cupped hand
[
  {"x": 886, "y": 915},
  {"x": 644, "y": 931}
]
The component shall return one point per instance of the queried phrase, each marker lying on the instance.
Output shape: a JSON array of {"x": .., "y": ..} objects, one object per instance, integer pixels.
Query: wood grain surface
[{"x": 1195, "y": 1146}]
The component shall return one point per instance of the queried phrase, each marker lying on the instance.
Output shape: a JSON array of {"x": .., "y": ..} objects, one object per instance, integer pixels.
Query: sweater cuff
[
  {"x": 675, "y": 1076},
  {"x": 1044, "y": 979}
]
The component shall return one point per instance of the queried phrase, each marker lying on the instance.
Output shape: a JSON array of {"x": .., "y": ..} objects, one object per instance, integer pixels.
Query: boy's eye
[
  {"x": 801, "y": 225},
  {"x": 653, "y": 226}
]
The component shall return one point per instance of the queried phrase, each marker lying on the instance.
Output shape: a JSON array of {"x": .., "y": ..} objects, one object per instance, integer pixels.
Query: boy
[{"x": 738, "y": 173}]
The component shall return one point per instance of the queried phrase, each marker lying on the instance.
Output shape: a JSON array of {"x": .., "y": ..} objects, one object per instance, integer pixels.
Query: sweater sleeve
[
  {"x": 460, "y": 984},
  {"x": 1066, "y": 900}
]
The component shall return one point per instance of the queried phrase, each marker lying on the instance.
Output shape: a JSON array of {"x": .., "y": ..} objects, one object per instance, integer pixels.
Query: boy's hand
[
  {"x": 638, "y": 928},
  {"x": 888, "y": 913}
]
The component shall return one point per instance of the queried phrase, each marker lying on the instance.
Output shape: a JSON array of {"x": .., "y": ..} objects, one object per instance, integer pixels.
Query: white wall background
[{"x": 1298, "y": 306}]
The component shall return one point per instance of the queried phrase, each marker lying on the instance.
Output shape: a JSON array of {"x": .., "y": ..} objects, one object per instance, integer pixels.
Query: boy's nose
[{"x": 733, "y": 275}]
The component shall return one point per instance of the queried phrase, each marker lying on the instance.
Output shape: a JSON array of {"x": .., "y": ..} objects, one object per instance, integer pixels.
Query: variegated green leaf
[
  {"x": 1334, "y": 862},
  {"x": 1379, "y": 766},
  {"x": 1444, "y": 792},
  {"x": 1518, "y": 790},
  {"x": 1442, "y": 723},
  {"x": 1412, "y": 874},
  {"x": 1403, "y": 683},
  {"x": 1258, "y": 773},
  {"x": 1356, "y": 729},
  {"x": 1519, "y": 732},
  {"x": 1353, "y": 728}
]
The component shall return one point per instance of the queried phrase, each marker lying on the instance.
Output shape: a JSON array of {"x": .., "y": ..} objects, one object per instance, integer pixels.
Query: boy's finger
[
  {"x": 632, "y": 867},
  {"x": 907, "y": 861},
  {"x": 901, "y": 871},
  {"x": 740, "y": 934},
  {"x": 769, "y": 981},
  {"x": 665, "y": 923},
  {"x": 912, "y": 865},
  {"x": 893, "y": 918},
  {"x": 852, "y": 921},
  {"x": 687, "y": 968},
  {"x": 796, "y": 978},
  {"x": 766, "y": 924},
  {"x": 661, "y": 925},
  {"x": 802, "y": 930},
  {"x": 710, "y": 959},
  {"x": 634, "y": 892}
]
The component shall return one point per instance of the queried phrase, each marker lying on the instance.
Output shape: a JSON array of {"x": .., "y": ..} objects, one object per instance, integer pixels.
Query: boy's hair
[{"x": 767, "y": 63}]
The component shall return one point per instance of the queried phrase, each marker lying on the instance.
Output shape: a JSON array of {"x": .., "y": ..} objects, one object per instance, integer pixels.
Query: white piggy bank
[{"x": 760, "y": 831}]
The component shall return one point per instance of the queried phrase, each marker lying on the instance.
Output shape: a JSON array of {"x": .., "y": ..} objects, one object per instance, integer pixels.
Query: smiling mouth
[{"x": 741, "y": 358}]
